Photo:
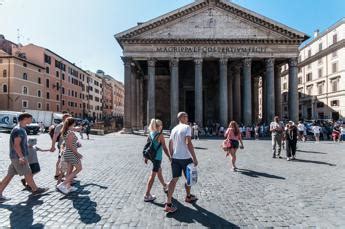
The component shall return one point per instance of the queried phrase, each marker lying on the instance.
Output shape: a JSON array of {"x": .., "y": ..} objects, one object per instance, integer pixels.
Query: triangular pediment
[{"x": 211, "y": 19}]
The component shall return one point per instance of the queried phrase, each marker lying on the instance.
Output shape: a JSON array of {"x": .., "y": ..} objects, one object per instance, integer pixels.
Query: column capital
[
  {"x": 151, "y": 62},
  {"x": 126, "y": 60},
  {"x": 174, "y": 62},
  {"x": 247, "y": 62},
  {"x": 198, "y": 61},
  {"x": 223, "y": 61},
  {"x": 293, "y": 62},
  {"x": 269, "y": 62}
]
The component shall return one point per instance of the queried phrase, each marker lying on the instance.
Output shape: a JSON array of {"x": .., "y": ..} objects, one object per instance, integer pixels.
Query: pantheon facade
[{"x": 207, "y": 58}]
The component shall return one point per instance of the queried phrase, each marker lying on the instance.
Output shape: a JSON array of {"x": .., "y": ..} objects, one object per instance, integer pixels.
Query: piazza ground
[{"x": 265, "y": 193}]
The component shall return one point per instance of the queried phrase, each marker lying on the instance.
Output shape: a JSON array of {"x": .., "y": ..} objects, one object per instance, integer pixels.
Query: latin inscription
[{"x": 224, "y": 50}]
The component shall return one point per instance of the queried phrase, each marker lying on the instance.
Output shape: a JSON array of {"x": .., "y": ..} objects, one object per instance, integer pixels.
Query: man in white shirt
[
  {"x": 301, "y": 131},
  {"x": 182, "y": 154},
  {"x": 316, "y": 130},
  {"x": 277, "y": 131}
]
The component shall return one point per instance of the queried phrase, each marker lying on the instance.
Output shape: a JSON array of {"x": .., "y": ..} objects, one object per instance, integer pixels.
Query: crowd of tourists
[{"x": 24, "y": 159}]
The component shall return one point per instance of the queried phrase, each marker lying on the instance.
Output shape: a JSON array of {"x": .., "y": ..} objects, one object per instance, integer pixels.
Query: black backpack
[
  {"x": 51, "y": 133},
  {"x": 150, "y": 151}
]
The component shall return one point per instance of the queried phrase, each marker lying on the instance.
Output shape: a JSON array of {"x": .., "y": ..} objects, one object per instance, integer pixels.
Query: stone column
[
  {"x": 127, "y": 106},
  {"x": 141, "y": 103},
  {"x": 237, "y": 94},
  {"x": 137, "y": 94},
  {"x": 223, "y": 92},
  {"x": 151, "y": 89},
  {"x": 133, "y": 98},
  {"x": 264, "y": 98},
  {"x": 198, "y": 92},
  {"x": 247, "y": 87},
  {"x": 278, "y": 91},
  {"x": 270, "y": 105},
  {"x": 293, "y": 90},
  {"x": 255, "y": 100},
  {"x": 230, "y": 96},
  {"x": 174, "y": 91}
]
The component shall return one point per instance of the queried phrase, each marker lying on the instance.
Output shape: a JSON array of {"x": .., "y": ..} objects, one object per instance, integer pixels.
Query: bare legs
[
  {"x": 152, "y": 179},
  {"x": 232, "y": 153},
  {"x": 71, "y": 175}
]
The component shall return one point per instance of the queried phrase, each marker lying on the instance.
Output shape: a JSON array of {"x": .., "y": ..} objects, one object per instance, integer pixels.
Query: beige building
[
  {"x": 118, "y": 98},
  {"x": 321, "y": 76},
  {"x": 94, "y": 95}
]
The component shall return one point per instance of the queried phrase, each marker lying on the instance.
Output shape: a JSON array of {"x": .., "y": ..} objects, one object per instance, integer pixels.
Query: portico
[{"x": 206, "y": 59}]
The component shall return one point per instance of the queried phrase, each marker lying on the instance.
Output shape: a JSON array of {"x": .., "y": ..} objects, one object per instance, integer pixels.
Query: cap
[{"x": 181, "y": 114}]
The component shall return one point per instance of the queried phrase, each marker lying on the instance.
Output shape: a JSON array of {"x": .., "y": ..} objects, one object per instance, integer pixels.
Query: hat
[
  {"x": 291, "y": 122},
  {"x": 32, "y": 141},
  {"x": 181, "y": 114}
]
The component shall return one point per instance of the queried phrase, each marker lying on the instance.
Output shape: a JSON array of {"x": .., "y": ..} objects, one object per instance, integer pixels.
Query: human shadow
[
  {"x": 199, "y": 215},
  {"x": 83, "y": 204},
  {"x": 306, "y": 151},
  {"x": 252, "y": 173},
  {"x": 201, "y": 148},
  {"x": 22, "y": 214},
  {"x": 314, "y": 162}
]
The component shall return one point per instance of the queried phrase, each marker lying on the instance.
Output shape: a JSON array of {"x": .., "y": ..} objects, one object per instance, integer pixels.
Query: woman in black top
[{"x": 291, "y": 141}]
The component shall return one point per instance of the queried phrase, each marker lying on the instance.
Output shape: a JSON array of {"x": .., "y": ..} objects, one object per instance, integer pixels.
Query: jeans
[
  {"x": 291, "y": 148},
  {"x": 276, "y": 139}
]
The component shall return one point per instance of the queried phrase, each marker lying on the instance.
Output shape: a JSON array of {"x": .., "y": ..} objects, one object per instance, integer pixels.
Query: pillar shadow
[
  {"x": 252, "y": 173},
  {"x": 306, "y": 151},
  {"x": 83, "y": 204},
  {"x": 200, "y": 215},
  {"x": 22, "y": 215},
  {"x": 314, "y": 162}
]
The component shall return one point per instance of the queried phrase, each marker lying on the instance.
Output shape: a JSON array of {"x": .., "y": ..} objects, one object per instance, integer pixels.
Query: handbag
[{"x": 227, "y": 143}]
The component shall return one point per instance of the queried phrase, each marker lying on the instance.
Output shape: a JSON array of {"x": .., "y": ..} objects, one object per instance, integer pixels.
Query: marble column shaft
[
  {"x": 223, "y": 92},
  {"x": 293, "y": 90},
  {"x": 127, "y": 105},
  {"x": 151, "y": 89},
  {"x": 270, "y": 105},
  {"x": 230, "y": 95},
  {"x": 247, "y": 100},
  {"x": 278, "y": 92},
  {"x": 198, "y": 92},
  {"x": 133, "y": 99},
  {"x": 137, "y": 94},
  {"x": 174, "y": 91}
]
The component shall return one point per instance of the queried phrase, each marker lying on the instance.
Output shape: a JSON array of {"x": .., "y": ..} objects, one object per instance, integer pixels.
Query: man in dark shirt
[{"x": 19, "y": 158}]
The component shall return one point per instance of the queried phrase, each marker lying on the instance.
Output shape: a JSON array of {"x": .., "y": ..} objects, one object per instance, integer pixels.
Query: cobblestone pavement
[{"x": 265, "y": 193}]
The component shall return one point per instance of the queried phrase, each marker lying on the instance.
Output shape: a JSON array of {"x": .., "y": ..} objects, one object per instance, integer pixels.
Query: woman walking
[
  {"x": 291, "y": 136},
  {"x": 155, "y": 134},
  {"x": 234, "y": 138},
  {"x": 71, "y": 156}
]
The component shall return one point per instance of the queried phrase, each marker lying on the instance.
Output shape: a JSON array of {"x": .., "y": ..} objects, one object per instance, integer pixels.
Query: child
[{"x": 33, "y": 159}]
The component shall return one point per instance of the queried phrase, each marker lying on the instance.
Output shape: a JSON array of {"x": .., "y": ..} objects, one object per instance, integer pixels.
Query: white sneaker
[
  {"x": 3, "y": 199},
  {"x": 62, "y": 188},
  {"x": 73, "y": 189},
  {"x": 288, "y": 159},
  {"x": 149, "y": 198}
]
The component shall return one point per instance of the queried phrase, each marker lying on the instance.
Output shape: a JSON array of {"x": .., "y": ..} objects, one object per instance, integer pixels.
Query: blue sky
[{"x": 83, "y": 31}]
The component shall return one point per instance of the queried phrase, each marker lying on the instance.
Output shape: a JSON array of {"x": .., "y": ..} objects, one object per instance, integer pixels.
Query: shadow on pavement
[
  {"x": 314, "y": 162},
  {"x": 201, "y": 148},
  {"x": 22, "y": 214},
  {"x": 252, "y": 173},
  {"x": 200, "y": 215},
  {"x": 83, "y": 204},
  {"x": 306, "y": 151}
]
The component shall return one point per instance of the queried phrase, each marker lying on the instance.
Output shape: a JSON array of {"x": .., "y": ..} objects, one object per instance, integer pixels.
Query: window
[
  {"x": 25, "y": 104},
  {"x": 47, "y": 59},
  {"x": 320, "y": 88},
  {"x": 57, "y": 97},
  {"x": 63, "y": 76},
  {"x": 39, "y": 93},
  {"x": 39, "y": 106},
  {"x": 24, "y": 64},
  {"x": 25, "y": 76},
  {"x": 320, "y": 47},
  {"x": 4, "y": 73},
  {"x": 57, "y": 74},
  {"x": 309, "y": 77},
  {"x": 39, "y": 70},
  {"x": 335, "y": 103},
  {"x": 334, "y": 84},
  {"x": 335, "y": 38},
  {"x": 334, "y": 67},
  {"x": 320, "y": 72},
  {"x": 320, "y": 104},
  {"x": 310, "y": 90},
  {"x": 4, "y": 88},
  {"x": 47, "y": 83},
  {"x": 48, "y": 95},
  {"x": 57, "y": 107},
  {"x": 57, "y": 86},
  {"x": 299, "y": 80},
  {"x": 63, "y": 90},
  {"x": 309, "y": 53},
  {"x": 47, "y": 107},
  {"x": 63, "y": 102},
  {"x": 284, "y": 86},
  {"x": 25, "y": 91},
  {"x": 47, "y": 70},
  {"x": 39, "y": 80}
]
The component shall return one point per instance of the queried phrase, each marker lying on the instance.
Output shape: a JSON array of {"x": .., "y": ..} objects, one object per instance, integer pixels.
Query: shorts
[
  {"x": 301, "y": 133},
  {"x": 179, "y": 165},
  {"x": 234, "y": 144},
  {"x": 16, "y": 168},
  {"x": 35, "y": 168},
  {"x": 156, "y": 165}
]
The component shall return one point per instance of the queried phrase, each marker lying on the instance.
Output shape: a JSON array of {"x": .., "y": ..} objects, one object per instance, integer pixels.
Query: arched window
[
  {"x": 39, "y": 80},
  {"x": 39, "y": 93},
  {"x": 47, "y": 83},
  {"x": 4, "y": 88},
  {"x": 4, "y": 73},
  {"x": 25, "y": 76},
  {"x": 25, "y": 91}
]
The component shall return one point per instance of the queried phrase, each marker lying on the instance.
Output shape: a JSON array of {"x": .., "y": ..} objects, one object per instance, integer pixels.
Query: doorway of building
[{"x": 190, "y": 104}]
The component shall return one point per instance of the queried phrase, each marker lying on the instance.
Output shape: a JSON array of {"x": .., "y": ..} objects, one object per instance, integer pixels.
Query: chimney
[{"x": 316, "y": 33}]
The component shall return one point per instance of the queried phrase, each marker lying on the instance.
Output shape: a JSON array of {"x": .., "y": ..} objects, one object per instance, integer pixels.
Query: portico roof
[{"x": 239, "y": 15}]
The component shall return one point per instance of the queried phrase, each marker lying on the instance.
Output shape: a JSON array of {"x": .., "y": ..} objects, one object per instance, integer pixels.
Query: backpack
[
  {"x": 150, "y": 151},
  {"x": 51, "y": 133}
]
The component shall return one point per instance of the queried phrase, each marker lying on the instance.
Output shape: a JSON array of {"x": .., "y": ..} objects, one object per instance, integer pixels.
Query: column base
[{"x": 126, "y": 131}]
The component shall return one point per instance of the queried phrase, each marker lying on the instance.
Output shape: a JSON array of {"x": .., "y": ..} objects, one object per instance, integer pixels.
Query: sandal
[{"x": 191, "y": 199}]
